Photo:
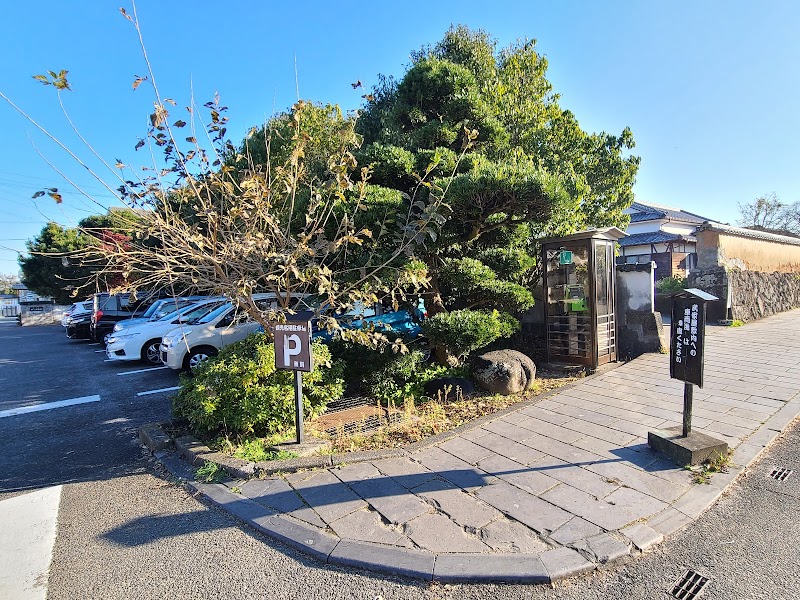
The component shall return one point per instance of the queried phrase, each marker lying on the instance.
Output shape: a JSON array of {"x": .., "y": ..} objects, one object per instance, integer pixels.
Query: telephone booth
[{"x": 580, "y": 289}]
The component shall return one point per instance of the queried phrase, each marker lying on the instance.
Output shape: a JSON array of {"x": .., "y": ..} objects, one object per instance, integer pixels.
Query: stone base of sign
[
  {"x": 309, "y": 447},
  {"x": 691, "y": 450}
]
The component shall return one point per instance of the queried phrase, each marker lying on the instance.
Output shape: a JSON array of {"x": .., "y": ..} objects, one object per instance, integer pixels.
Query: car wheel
[
  {"x": 151, "y": 353},
  {"x": 196, "y": 357}
]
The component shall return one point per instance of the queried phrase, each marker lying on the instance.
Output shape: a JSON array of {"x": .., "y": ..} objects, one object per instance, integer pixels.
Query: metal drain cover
[
  {"x": 780, "y": 474},
  {"x": 690, "y": 586}
]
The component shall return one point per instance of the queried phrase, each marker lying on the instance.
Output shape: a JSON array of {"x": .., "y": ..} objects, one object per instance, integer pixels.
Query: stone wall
[
  {"x": 756, "y": 295},
  {"x": 747, "y": 295},
  {"x": 715, "y": 282}
]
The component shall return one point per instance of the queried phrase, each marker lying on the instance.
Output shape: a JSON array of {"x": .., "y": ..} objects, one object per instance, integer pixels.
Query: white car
[
  {"x": 141, "y": 341},
  {"x": 158, "y": 310},
  {"x": 78, "y": 308},
  {"x": 185, "y": 347}
]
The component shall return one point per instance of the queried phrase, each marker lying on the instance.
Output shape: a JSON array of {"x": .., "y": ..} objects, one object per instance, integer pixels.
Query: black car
[
  {"x": 79, "y": 326},
  {"x": 109, "y": 309}
]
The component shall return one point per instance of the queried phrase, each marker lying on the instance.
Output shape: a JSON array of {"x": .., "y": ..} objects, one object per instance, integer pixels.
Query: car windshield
[
  {"x": 189, "y": 314},
  {"x": 166, "y": 309},
  {"x": 151, "y": 310},
  {"x": 212, "y": 315}
]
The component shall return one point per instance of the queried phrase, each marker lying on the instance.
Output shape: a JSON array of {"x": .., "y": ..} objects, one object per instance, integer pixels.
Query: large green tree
[
  {"x": 61, "y": 262},
  {"x": 51, "y": 267},
  {"x": 529, "y": 170}
]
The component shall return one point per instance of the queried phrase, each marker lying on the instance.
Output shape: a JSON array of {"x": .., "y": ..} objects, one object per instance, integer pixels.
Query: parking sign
[{"x": 293, "y": 345}]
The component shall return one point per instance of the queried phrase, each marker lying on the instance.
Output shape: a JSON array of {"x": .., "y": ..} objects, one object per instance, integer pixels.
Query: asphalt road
[
  {"x": 126, "y": 531},
  {"x": 85, "y": 442}
]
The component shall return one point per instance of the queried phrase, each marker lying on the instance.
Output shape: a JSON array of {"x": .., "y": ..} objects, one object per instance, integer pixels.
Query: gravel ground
[{"x": 142, "y": 537}]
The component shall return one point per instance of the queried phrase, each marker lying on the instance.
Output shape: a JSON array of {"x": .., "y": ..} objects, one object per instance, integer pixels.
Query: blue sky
[{"x": 709, "y": 89}]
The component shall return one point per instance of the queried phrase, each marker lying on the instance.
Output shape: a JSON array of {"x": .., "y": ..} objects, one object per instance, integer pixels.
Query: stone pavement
[{"x": 548, "y": 491}]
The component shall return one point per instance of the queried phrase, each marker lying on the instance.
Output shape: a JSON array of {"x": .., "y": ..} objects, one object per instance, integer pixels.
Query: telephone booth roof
[{"x": 606, "y": 233}]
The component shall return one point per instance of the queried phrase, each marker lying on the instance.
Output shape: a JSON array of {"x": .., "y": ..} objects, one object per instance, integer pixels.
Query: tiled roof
[
  {"x": 747, "y": 233},
  {"x": 649, "y": 212},
  {"x": 654, "y": 237}
]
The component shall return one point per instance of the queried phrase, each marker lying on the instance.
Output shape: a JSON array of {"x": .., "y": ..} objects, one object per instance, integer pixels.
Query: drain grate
[
  {"x": 366, "y": 425},
  {"x": 780, "y": 474},
  {"x": 689, "y": 587},
  {"x": 349, "y": 402}
]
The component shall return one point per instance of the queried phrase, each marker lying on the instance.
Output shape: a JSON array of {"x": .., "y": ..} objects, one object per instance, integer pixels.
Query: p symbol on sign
[{"x": 291, "y": 347}]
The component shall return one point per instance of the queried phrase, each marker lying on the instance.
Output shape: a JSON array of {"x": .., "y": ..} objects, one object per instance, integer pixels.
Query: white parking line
[
  {"x": 26, "y": 543},
  {"x": 169, "y": 389},
  {"x": 47, "y": 406},
  {"x": 142, "y": 370},
  {"x": 109, "y": 360},
  {"x": 94, "y": 344},
  {"x": 96, "y": 351}
]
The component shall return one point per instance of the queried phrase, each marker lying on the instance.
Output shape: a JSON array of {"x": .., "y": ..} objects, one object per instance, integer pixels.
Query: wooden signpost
[{"x": 687, "y": 343}]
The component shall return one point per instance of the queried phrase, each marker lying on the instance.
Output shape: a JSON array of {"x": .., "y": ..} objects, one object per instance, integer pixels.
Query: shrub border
[{"x": 154, "y": 436}]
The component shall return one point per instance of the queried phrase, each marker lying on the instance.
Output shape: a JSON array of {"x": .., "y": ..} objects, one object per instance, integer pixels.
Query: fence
[{"x": 9, "y": 311}]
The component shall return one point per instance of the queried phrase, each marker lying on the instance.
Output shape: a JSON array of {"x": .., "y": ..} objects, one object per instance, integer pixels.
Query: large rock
[{"x": 504, "y": 372}]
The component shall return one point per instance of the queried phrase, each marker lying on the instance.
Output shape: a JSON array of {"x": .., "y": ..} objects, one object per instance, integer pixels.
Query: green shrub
[
  {"x": 463, "y": 331},
  {"x": 401, "y": 377},
  {"x": 240, "y": 391},
  {"x": 671, "y": 284},
  {"x": 359, "y": 360},
  {"x": 386, "y": 376}
]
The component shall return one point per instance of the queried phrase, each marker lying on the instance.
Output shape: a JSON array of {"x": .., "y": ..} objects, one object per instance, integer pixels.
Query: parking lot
[{"x": 68, "y": 413}]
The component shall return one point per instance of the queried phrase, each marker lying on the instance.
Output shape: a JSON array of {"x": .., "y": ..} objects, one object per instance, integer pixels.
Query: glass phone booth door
[{"x": 579, "y": 287}]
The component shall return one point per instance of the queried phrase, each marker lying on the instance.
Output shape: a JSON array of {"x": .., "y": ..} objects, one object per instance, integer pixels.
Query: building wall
[
  {"x": 644, "y": 226},
  {"x": 41, "y": 313},
  {"x": 718, "y": 249},
  {"x": 679, "y": 228}
]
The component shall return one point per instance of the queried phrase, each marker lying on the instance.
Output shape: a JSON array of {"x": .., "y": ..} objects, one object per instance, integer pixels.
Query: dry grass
[{"x": 439, "y": 415}]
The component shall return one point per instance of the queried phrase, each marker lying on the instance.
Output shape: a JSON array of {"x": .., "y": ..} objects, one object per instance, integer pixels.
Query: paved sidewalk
[{"x": 545, "y": 492}]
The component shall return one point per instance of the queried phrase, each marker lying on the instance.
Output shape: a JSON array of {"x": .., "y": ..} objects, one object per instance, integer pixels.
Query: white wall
[{"x": 635, "y": 289}]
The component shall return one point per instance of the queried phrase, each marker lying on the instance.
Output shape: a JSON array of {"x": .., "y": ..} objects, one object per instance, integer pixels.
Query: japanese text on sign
[
  {"x": 686, "y": 353},
  {"x": 293, "y": 346},
  {"x": 686, "y": 334}
]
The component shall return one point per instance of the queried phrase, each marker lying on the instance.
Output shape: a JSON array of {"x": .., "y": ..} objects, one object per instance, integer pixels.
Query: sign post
[
  {"x": 687, "y": 344},
  {"x": 293, "y": 352},
  {"x": 687, "y": 341}
]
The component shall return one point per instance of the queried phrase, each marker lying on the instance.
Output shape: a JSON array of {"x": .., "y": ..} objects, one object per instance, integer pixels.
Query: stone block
[
  {"x": 437, "y": 533},
  {"x": 604, "y": 548},
  {"x": 464, "y": 568},
  {"x": 504, "y": 535},
  {"x": 573, "y": 530},
  {"x": 461, "y": 507},
  {"x": 297, "y": 535},
  {"x": 565, "y": 562},
  {"x": 642, "y": 536},
  {"x": 385, "y": 559},
  {"x": 691, "y": 450},
  {"x": 154, "y": 437}
]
